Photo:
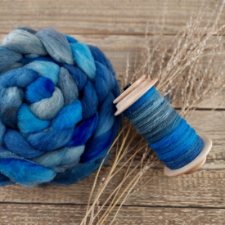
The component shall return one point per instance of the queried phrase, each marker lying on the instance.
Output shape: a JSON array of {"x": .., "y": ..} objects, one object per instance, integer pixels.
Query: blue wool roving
[
  {"x": 175, "y": 142},
  {"x": 56, "y": 108}
]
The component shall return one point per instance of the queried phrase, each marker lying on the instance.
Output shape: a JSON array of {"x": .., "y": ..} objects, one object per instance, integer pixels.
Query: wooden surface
[{"x": 118, "y": 28}]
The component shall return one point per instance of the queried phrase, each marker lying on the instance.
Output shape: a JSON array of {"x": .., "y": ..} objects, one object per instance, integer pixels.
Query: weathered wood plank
[
  {"x": 13, "y": 214},
  {"x": 204, "y": 188},
  {"x": 118, "y": 48},
  {"x": 97, "y": 16},
  {"x": 117, "y": 27}
]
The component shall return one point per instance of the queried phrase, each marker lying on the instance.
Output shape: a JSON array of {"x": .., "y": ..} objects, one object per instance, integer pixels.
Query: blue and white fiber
[
  {"x": 175, "y": 142},
  {"x": 56, "y": 108}
]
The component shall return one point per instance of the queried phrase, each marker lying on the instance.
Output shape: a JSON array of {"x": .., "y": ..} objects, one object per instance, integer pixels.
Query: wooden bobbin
[{"x": 131, "y": 95}]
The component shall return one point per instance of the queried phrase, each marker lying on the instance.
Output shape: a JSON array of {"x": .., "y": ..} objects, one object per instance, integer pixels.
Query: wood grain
[
  {"x": 102, "y": 16},
  {"x": 204, "y": 188},
  {"x": 118, "y": 28},
  {"x": 31, "y": 214},
  {"x": 118, "y": 48}
]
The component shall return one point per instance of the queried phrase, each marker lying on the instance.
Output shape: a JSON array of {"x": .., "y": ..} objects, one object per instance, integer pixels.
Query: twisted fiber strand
[
  {"x": 175, "y": 142},
  {"x": 56, "y": 108}
]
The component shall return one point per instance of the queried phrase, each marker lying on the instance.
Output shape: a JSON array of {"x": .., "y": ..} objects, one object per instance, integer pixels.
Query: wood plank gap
[
  {"x": 117, "y": 205},
  {"x": 204, "y": 109},
  {"x": 137, "y": 34}
]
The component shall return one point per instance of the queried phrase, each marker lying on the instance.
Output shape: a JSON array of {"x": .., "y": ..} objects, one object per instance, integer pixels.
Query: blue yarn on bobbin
[
  {"x": 175, "y": 142},
  {"x": 56, "y": 108}
]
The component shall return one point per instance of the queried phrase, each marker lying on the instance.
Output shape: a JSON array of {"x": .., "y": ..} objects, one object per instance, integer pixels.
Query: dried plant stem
[
  {"x": 96, "y": 178},
  {"x": 121, "y": 183},
  {"x": 116, "y": 196},
  {"x": 108, "y": 177},
  {"x": 187, "y": 70},
  {"x": 105, "y": 216},
  {"x": 129, "y": 193}
]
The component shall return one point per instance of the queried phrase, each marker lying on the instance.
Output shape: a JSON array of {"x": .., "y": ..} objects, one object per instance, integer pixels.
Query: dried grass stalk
[
  {"x": 187, "y": 69},
  {"x": 123, "y": 145},
  {"x": 188, "y": 72}
]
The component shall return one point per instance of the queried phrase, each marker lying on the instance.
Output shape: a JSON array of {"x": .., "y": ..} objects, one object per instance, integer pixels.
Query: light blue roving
[{"x": 56, "y": 108}]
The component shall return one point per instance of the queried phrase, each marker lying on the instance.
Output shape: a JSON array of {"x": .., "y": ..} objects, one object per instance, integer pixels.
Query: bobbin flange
[
  {"x": 195, "y": 164},
  {"x": 131, "y": 95}
]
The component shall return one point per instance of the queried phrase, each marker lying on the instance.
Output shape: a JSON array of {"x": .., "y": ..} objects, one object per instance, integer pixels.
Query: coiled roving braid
[{"x": 56, "y": 108}]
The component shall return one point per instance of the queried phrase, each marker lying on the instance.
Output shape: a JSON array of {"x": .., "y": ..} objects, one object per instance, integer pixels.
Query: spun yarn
[
  {"x": 56, "y": 108},
  {"x": 175, "y": 142}
]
